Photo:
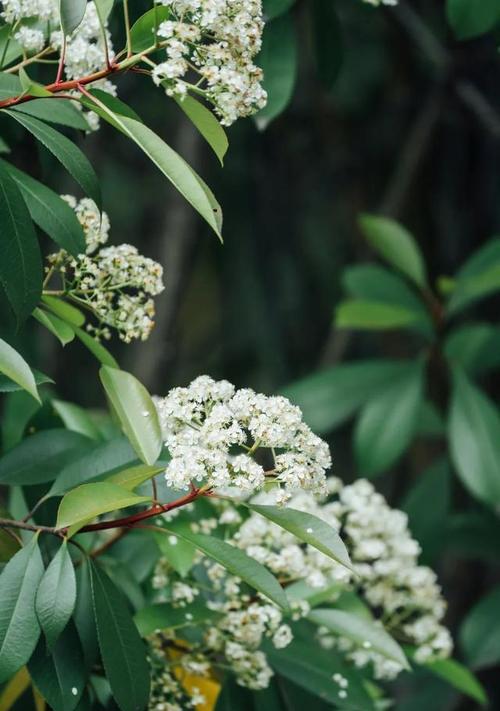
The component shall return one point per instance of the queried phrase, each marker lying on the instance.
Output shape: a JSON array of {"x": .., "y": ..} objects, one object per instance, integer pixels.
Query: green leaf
[
  {"x": 66, "y": 311},
  {"x": 60, "y": 677},
  {"x": 9, "y": 386},
  {"x": 327, "y": 41},
  {"x": 9, "y": 540},
  {"x": 97, "y": 463},
  {"x": 275, "y": 8},
  {"x": 135, "y": 410},
  {"x": 114, "y": 104},
  {"x": 67, "y": 113},
  {"x": 235, "y": 561},
  {"x": 278, "y": 59},
  {"x": 84, "y": 615},
  {"x": 133, "y": 477},
  {"x": 164, "y": 616},
  {"x": 309, "y": 529},
  {"x": 71, "y": 14},
  {"x": 20, "y": 259},
  {"x": 76, "y": 419},
  {"x": 360, "y": 631},
  {"x": 329, "y": 397},
  {"x": 56, "y": 596},
  {"x": 61, "y": 330},
  {"x": 19, "y": 629},
  {"x": 40, "y": 457},
  {"x": 474, "y": 440},
  {"x": 170, "y": 163},
  {"x": 10, "y": 49},
  {"x": 475, "y": 347},
  {"x": 459, "y": 677},
  {"x": 179, "y": 553},
  {"x": 13, "y": 365},
  {"x": 396, "y": 245},
  {"x": 480, "y": 632},
  {"x": 4, "y": 147},
  {"x": 10, "y": 85},
  {"x": 122, "y": 650},
  {"x": 104, "y": 8},
  {"x": 470, "y": 18},
  {"x": 31, "y": 87},
  {"x": 50, "y": 212},
  {"x": 372, "y": 315},
  {"x": 479, "y": 277},
  {"x": 142, "y": 32},
  {"x": 86, "y": 502},
  {"x": 387, "y": 423},
  {"x": 97, "y": 349},
  {"x": 69, "y": 155},
  {"x": 207, "y": 125}
]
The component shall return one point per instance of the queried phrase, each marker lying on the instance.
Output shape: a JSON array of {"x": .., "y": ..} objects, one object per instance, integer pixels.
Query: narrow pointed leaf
[
  {"x": 67, "y": 113},
  {"x": 56, "y": 596},
  {"x": 61, "y": 330},
  {"x": 133, "y": 477},
  {"x": 13, "y": 365},
  {"x": 459, "y": 677},
  {"x": 97, "y": 349},
  {"x": 65, "y": 311},
  {"x": 207, "y": 125}
]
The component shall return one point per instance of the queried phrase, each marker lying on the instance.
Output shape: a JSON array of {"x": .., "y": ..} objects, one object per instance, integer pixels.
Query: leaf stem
[{"x": 126, "y": 19}]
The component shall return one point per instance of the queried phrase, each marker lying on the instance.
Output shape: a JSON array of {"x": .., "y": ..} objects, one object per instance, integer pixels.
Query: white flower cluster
[
  {"x": 167, "y": 691},
  {"x": 216, "y": 39},
  {"x": 402, "y": 594},
  {"x": 226, "y": 437},
  {"x": 381, "y": 2},
  {"x": 115, "y": 283}
]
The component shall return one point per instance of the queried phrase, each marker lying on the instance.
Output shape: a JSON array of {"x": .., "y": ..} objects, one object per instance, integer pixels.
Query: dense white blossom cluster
[
  {"x": 210, "y": 46},
  {"x": 226, "y": 437},
  {"x": 115, "y": 283}
]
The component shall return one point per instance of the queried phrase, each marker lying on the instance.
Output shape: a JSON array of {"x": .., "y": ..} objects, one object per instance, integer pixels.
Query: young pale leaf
[
  {"x": 388, "y": 422},
  {"x": 71, "y": 14},
  {"x": 133, "y": 477},
  {"x": 360, "y": 631},
  {"x": 50, "y": 212},
  {"x": 307, "y": 528},
  {"x": 480, "y": 632},
  {"x": 474, "y": 439},
  {"x": 87, "y": 501},
  {"x": 331, "y": 396},
  {"x": 61, "y": 330},
  {"x": 67, "y": 113},
  {"x": 122, "y": 650},
  {"x": 179, "y": 553},
  {"x": 135, "y": 410},
  {"x": 470, "y": 18},
  {"x": 235, "y": 561},
  {"x": 459, "y": 677},
  {"x": 60, "y": 676},
  {"x": 104, "y": 8},
  {"x": 373, "y": 315},
  {"x": 20, "y": 259},
  {"x": 278, "y": 59},
  {"x": 56, "y": 596},
  {"x": 70, "y": 156},
  {"x": 65, "y": 311},
  {"x": 40, "y": 457},
  {"x": 76, "y": 419},
  {"x": 13, "y": 365},
  {"x": 207, "y": 125},
  {"x": 396, "y": 245},
  {"x": 142, "y": 32},
  {"x": 97, "y": 349},
  {"x": 19, "y": 628},
  {"x": 164, "y": 616}
]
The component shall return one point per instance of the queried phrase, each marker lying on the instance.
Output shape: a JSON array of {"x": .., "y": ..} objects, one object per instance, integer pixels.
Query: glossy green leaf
[
  {"x": 474, "y": 440},
  {"x": 179, "y": 553},
  {"x": 84, "y": 615},
  {"x": 329, "y": 397},
  {"x": 64, "y": 310},
  {"x": 142, "y": 32},
  {"x": 113, "y": 103},
  {"x": 309, "y": 529},
  {"x": 70, "y": 156},
  {"x": 133, "y": 477},
  {"x": 480, "y": 632},
  {"x": 56, "y": 596},
  {"x": 97, "y": 349},
  {"x": 50, "y": 212},
  {"x": 122, "y": 650},
  {"x": 470, "y": 18},
  {"x": 61, "y": 330},
  {"x": 71, "y": 14},
  {"x": 387, "y": 423},
  {"x": 40, "y": 457},
  {"x": 360, "y": 631},
  {"x": 20, "y": 259},
  {"x": 396, "y": 245},
  {"x": 327, "y": 40},
  {"x": 13, "y": 365},
  {"x": 207, "y": 125},
  {"x": 136, "y": 412},
  {"x": 9, "y": 386},
  {"x": 60, "y": 676},
  {"x": 235, "y": 561},
  {"x": 278, "y": 59},
  {"x": 86, "y": 502},
  {"x": 164, "y": 616},
  {"x": 459, "y": 677},
  {"x": 373, "y": 315},
  {"x": 67, "y": 113},
  {"x": 76, "y": 419},
  {"x": 19, "y": 628}
]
